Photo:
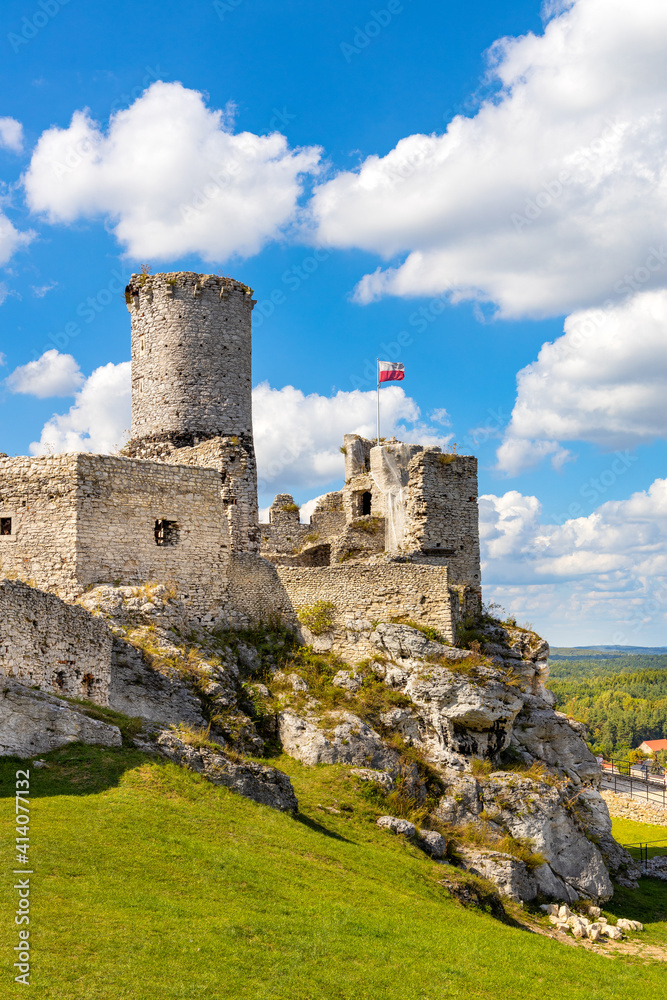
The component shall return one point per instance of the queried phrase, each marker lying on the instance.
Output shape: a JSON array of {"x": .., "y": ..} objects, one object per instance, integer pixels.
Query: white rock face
[
  {"x": 32, "y": 722},
  {"x": 508, "y": 873},
  {"x": 403, "y": 642},
  {"x": 351, "y": 741}
]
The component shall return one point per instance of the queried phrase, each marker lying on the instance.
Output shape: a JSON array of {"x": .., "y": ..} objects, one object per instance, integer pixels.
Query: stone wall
[
  {"x": 234, "y": 458},
  {"x": 39, "y": 497},
  {"x": 364, "y": 594},
  {"x": 255, "y": 591},
  {"x": 119, "y": 503},
  {"x": 191, "y": 356},
  {"x": 55, "y": 646},
  {"x": 442, "y": 514},
  {"x": 77, "y": 520}
]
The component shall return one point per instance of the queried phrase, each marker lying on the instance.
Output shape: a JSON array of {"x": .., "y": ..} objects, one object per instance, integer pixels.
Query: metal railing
[
  {"x": 647, "y": 849},
  {"x": 622, "y": 777}
]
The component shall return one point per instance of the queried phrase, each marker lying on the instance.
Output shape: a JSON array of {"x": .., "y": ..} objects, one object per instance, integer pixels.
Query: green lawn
[
  {"x": 627, "y": 831},
  {"x": 152, "y": 884}
]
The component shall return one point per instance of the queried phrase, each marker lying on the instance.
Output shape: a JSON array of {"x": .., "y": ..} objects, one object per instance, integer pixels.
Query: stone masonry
[
  {"x": 191, "y": 383},
  {"x": 77, "y": 520}
]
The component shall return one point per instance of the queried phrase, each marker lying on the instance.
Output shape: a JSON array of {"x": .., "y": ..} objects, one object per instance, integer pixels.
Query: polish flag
[{"x": 391, "y": 371}]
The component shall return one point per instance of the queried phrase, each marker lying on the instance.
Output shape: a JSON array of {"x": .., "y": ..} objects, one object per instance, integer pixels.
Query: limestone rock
[
  {"x": 534, "y": 811},
  {"x": 508, "y": 873},
  {"x": 550, "y": 737},
  {"x": 255, "y": 781},
  {"x": 624, "y": 924},
  {"x": 462, "y": 716},
  {"x": 380, "y": 777},
  {"x": 33, "y": 722},
  {"x": 137, "y": 689},
  {"x": 397, "y": 825},
  {"x": 433, "y": 843},
  {"x": 348, "y": 679},
  {"x": 404, "y": 642},
  {"x": 351, "y": 741}
]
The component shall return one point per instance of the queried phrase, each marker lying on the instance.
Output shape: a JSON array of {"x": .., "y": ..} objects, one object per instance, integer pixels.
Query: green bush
[{"x": 318, "y": 617}]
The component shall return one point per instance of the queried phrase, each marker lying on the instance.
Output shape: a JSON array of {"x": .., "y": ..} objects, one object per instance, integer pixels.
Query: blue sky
[{"x": 430, "y": 194}]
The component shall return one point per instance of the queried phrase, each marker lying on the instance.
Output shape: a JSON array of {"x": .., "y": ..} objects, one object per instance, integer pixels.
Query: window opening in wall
[
  {"x": 5, "y": 525},
  {"x": 366, "y": 503},
  {"x": 166, "y": 532}
]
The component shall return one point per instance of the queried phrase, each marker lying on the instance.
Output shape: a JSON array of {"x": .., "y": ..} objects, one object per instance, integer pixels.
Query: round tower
[{"x": 191, "y": 358}]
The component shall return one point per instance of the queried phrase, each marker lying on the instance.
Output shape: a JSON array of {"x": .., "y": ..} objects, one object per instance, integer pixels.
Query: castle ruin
[{"x": 179, "y": 504}]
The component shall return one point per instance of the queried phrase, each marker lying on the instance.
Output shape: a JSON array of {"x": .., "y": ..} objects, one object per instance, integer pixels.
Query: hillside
[
  {"x": 154, "y": 883},
  {"x": 621, "y": 699}
]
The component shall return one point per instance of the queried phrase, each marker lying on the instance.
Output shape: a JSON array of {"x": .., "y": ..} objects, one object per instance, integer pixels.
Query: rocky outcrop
[
  {"x": 510, "y": 875},
  {"x": 348, "y": 741},
  {"x": 263, "y": 784},
  {"x": 33, "y": 722},
  {"x": 404, "y": 642},
  {"x": 459, "y": 707}
]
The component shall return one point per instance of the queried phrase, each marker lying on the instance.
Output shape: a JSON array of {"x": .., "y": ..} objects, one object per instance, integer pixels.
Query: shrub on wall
[{"x": 317, "y": 617}]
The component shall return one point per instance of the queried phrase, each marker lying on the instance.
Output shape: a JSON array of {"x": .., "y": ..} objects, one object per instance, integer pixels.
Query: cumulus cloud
[
  {"x": 99, "y": 419},
  {"x": 11, "y": 239},
  {"x": 604, "y": 381},
  {"x": 298, "y": 437},
  {"x": 11, "y": 135},
  {"x": 54, "y": 374},
  {"x": 170, "y": 177},
  {"x": 546, "y": 198},
  {"x": 602, "y": 577}
]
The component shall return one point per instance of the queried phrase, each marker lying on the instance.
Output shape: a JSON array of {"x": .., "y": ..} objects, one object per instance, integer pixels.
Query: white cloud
[
  {"x": 98, "y": 421},
  {"x": 604, "y": 381},
  {"x": 54, "y": 374},
  {"x": 298, "y": 437},
  {"x": 39, "y": 291},
  {"x": 11, "y": 135},
  {"x": 601, "y": 578},
  {"x": 546, "y": 198},
  {"x": 170, "y": 177},
  {"x": 11, "y": 240}
]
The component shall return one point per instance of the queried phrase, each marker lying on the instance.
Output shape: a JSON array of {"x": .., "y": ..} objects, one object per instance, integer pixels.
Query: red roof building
[{"x": 652, "y": 746}]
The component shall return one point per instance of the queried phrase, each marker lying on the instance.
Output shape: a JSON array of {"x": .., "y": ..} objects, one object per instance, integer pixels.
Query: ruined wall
[
  {"x": 363, "y": 593},
  {"x": 255, "y": 591},
  {"x": 58, "y": 647},
  {"x": 39, "y": 497},
  {"x": 120, "y": 501},
  {"x": 442, "y": 514},
  {"x": 235, "y": 461}
]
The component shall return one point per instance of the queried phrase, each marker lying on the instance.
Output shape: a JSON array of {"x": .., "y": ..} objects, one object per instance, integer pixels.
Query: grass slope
[{"x": 149, "y": 882}]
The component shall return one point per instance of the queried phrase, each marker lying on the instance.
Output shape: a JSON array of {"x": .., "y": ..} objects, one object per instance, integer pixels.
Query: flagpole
[{"x": 378, "y": 392}]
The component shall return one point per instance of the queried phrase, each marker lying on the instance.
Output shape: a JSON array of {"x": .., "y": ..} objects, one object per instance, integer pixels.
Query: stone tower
[
  {"x": 191, "y": 383},
  {"x": 191, "y": 357}
]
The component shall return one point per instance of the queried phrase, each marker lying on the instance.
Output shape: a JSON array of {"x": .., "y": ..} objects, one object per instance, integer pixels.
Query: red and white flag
[{"x": 391, "y": 371}]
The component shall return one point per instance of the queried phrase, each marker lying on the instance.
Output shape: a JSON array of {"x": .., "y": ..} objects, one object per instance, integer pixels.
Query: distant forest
[{"x": 622, "y": 699}]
